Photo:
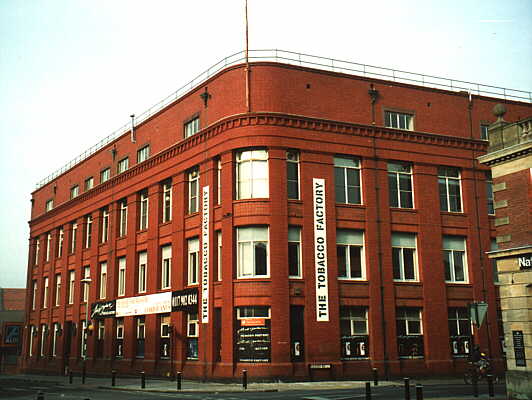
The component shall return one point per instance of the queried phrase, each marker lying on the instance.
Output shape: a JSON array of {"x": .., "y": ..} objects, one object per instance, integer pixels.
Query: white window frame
[
  {"x": 219, "y": 255},
  {"x": 143, "y": 154},
  {"x": 34, "y": 296},
  {"x": 121, "y": 287},
  {"x": 165, "y": 322},
  {"x": 55, "y": 333},
  {"x": 142, "y": 271},
  {"x": 256, "y": 187},
  {"x": 46, "y": 284},
  {"x": 71, "y": 285},
  {"x": 294, "y": 238},
  {"x": 245, "y": 271},
  {"x": 167, "y": 201},
  {"x": 44, "y": 331},
  {"x": 219, "y": 181},
  {"x": 352, "y": 317},
  {"x": 166, "y": 266},
  {"x": 122, "y": 165},
  {"x": 347, "y": 244},
  {"x": 74, "y": 191},
  {"x": 489, "y": 194},
  {"x": 193, "y": 261},
  {"x": 103, "y": 280},
  {"x": 396, "y": 169},
  {"x": 105, "y": 225},
  {"x": 89, "y": 183},
  {"x": 193, "y": 190},
  {"x": 399, "y": 120},
  {"x": 60, "y": 239},
  {"x": 49, "y": 205},
  {"x": 444, "y": 178},
  {"x": 397, "y": 238},
  {"x": 48, "y": 245},
  {"x": 88, "y": 231},
  {"x": 345, "y": 164},
  {"x": 86, "y": 275},
  {"x": 484, "y": 131},
  {"x": 37, "y": 250},
  {"x": 143, "y": 212},
  {"x": 73, "y": 233},
  {"x": 452, "y": 249},
  {"x": 30, "y": 344},
  {"x": 105, "y": 175},
  {"x": 57, "y": 290},
  {"x": 122, "y": 225},
  {"x": 292, "y": 158},
  {"x": 120, "y": 328},
  {"x": 191, "y": 127}
]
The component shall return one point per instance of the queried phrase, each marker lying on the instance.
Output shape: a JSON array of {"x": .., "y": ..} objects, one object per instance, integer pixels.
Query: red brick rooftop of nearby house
[{"x": 12, "y": 299}]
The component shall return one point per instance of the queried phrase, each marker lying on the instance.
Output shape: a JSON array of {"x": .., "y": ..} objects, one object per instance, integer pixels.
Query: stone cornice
[
  {"x": 510, "y": 153},
  {"x": 270, "y": 119}
]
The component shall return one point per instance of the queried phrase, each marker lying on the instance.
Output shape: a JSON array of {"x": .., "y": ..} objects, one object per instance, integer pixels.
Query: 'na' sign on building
[{"x": 320, "y": 250}]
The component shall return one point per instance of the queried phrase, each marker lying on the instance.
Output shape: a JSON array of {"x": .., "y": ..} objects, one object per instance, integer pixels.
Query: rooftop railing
[{"x": 306, "y": 60}]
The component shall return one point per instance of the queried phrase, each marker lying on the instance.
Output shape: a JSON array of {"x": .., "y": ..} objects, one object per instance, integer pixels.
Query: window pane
[
  {"x": 396, "y": 256},
  {"x": 339, "y": 179},
  {"x": 444, "y": 205},
  {"x": 360, "y": 328},
  {"x": 246, "y": 259},
  {"x": 408, "y": 263},
  {"x": 401, "y": 327},
  {"x": 293, "y": 259},
  {"x": 458, "y": 266},
  {"x": 392, "y": 185},
  {"x": 447, "y": 264},
  {"x": 414, "y": 327},
  {"x": 261, "y": 258},
  {"x": 342, "y": 261},
  {"x": 345, "y": 327},
  {"x": 354, "y": 258},
  {"x": 453, "y": 328}
]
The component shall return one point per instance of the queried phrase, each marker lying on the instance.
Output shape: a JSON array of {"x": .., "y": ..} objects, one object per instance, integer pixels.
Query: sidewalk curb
[{"x": 175, "y": 391}]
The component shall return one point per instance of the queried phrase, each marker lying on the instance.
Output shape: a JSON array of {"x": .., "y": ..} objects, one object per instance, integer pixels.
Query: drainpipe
[{"x": 133, "y": 139}]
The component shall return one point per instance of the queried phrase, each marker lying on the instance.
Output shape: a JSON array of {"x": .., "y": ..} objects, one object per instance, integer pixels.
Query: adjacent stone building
[{"x": 510, "y": 158}]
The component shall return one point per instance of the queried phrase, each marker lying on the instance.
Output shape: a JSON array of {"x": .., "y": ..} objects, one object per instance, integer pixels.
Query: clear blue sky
[{"x": 71, "y": 72}]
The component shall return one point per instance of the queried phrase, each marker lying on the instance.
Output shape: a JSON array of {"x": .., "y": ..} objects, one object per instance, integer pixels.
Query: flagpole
[{"x": 248, "y": 105}]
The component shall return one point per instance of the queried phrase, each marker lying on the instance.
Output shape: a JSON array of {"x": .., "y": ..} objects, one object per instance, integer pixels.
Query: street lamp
[{"x": 85, "y": 281}]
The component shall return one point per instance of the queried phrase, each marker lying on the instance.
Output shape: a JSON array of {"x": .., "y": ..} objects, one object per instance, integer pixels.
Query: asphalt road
[{"x": 22, "y": 390}]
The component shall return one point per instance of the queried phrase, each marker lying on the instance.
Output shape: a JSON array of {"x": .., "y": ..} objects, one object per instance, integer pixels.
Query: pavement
[{"x": 162, "y": 385}]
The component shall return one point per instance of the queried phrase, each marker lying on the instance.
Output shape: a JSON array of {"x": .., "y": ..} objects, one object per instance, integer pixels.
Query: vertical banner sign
[
  {"x": 205, "y": 256},
  {"x": 320, "y": 250}
]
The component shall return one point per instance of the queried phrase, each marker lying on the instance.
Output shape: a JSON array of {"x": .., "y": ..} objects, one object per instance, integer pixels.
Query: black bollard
[
  {"x": 419, "y": 392},
  {"x": 475, "y": 384},
  {"x": 244, "y": 379},
  {"x": 375, "y": 376},
  {"x": 142, "y": 380},
  {"x": 179, "y": 381},
  {"x": 113, "y": 377},
  {"x": 491, "y": 392},
  {"x": 407, "y": 388},
  {"x": 40, "y": 396},
  {"x": 83, "y": 373},
  {"x": 368, "y": 390},
  {"x": 70, "y": 377}
]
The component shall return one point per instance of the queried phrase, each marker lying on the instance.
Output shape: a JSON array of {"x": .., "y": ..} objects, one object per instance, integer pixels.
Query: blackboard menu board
[
  {"x": 519, "y": 348},
  {"x": 253, "y": 344}
]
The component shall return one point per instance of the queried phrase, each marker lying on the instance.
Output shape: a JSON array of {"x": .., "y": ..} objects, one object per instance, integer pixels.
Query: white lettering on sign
[
  {"x": 205, "y": 257},
  {"x": 525, "y": 262},
  {"x": 142, "y": 305},
  {"x": 320, "y": 250}
]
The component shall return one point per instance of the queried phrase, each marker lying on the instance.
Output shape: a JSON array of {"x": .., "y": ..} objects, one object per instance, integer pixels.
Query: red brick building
[
  {"x": 344, "y": 227},
  {"x": 12, "y": 309}
]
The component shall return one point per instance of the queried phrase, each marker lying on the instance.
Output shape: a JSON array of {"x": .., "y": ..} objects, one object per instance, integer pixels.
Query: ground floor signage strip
[
  {"x": 185, "y": 300},
  {"x": 142, "y": 305},
  {"x": 103, "y": 309}
]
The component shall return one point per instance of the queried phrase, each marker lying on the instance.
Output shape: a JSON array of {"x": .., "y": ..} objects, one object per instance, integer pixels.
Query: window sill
[
  {"x": 252, "y": 199},
  {"x": 252, "y": 279},
  {"x": 353, "y": 280},
  {"x": 350, "y": 205},
  {"x": 163, "y": 223},
  {"x": 415, "y": 283},
  {"x": 458, "y": 284},
  {"x": 404, "y": 209},
  {"x": 454, "y": 213}
]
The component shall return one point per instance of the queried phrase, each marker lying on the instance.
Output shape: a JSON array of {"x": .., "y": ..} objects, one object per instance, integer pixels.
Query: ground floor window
[
  {"x": 141, "y": 336},
  {"x": 409, "y": 332},
  {"x": 253, "y": 339},
  {"x": 119, "y": 344},
  {"x": 192, "y": 336},
  {"x": 459, "y": 332},
  {"x": 164, "y": 344},
  {"x": 354, "y": 332},
  {"x": 100, "y": 336}
]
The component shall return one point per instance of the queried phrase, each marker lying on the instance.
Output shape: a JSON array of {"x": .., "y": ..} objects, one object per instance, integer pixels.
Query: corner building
[{"x": 286, "y": 220}]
